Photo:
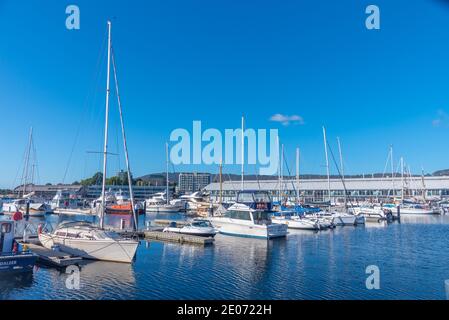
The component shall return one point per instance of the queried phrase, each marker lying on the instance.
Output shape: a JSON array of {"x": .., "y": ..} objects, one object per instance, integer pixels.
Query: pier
[
  {"x": 52, "y": 258},
  {"x": 178, "y": 237}
]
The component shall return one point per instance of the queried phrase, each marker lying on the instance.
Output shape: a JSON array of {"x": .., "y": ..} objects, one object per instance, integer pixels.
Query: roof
[{"x": 441, "y": 182}]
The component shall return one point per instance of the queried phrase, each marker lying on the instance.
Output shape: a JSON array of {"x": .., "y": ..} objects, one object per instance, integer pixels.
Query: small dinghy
[{"x": 198, "y": 227}]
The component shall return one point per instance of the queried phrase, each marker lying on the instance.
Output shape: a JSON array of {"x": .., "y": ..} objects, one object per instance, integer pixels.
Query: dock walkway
[
  {"x": 178, "y": 237},
  {"x": 52, "y": 258}
]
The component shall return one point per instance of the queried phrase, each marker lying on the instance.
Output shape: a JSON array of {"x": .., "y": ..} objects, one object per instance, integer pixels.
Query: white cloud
[
  {"x": 442, "y": 119},
  {"x": 287, "y": 120}
]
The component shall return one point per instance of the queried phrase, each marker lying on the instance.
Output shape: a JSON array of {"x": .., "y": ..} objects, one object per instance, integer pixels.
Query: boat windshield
[
  {"x": 201, "y": 224},
  {"x": 261, "y": 197},
  {"x": 261, "y": 217}
]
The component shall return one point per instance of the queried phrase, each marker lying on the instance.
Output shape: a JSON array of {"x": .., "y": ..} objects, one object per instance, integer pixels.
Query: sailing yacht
[{"x": 86, "y": 239}]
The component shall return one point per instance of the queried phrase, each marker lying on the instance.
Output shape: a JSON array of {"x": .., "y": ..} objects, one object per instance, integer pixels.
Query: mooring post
[
  {"x": 27, "y": 212},
  {"x": 399, "y": 213},
  {"x": 122, "y": 224},
  {"x": 446, "y": 285}
]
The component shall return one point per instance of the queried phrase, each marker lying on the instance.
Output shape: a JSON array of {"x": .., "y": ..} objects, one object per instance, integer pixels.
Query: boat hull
[
  {"x": 237, "y": 228},
  {"x": 17, "y": 262},
  {"x": 108, "y": 250}
]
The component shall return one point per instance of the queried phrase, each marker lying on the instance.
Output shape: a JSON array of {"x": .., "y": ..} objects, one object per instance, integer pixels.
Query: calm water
[{"x": 413, "y": 258}]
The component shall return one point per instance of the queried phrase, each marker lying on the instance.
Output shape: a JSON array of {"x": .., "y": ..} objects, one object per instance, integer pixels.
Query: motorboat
[
  {"x": 13, "y": 258},
  {"x": 36, "y": 208},
  {"x": 250, "y": 216},
  {"x": 88, "y": 241},
  {"x": 197, "y": 227},
  {"x": 372, "y": 213},
  {"x": 296, "y": 222},
  {"x": 158, "y": 203}
]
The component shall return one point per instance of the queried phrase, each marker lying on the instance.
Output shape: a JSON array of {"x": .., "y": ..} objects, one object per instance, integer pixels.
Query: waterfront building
[
  {"x": 316, "y": 190},
  {"x": 193, "y": 181}
]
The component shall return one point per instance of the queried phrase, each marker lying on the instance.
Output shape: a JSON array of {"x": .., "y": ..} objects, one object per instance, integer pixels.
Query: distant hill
[
  {"x": 438, "y": 173},
  {"x": 174, "y": 177}
]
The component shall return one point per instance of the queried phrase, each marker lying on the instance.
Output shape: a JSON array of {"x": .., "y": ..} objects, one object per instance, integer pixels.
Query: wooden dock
[
  {"x": 52, "y": 258},
  {"x": 179, "y": 238}
]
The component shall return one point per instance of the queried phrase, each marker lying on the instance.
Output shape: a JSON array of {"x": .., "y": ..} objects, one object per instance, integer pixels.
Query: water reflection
[{"x": 10, "y": 283}]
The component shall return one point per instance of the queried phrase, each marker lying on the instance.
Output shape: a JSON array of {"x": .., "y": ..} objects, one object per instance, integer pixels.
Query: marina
[
  {"x": 224, "y": 152},
  {"x": 329, "y": 264}
]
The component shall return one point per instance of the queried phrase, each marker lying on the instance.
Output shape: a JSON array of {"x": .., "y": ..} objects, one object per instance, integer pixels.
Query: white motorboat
[
  {"x": 198, "y": 227},
  {"x": 297, "y": 222},
  {"x": 158, "y": 203},
  {"x": 88, "y": 241},
  {"x": 344, "y": 219},
  {"x": 243, "y": 221},
  {"x": 36, "y": 209},
  {"x": 375, "y": 214}
]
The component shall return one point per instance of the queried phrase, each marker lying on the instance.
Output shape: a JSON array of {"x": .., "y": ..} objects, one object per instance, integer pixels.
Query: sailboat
[
  {"x": 28, "y": 202},
  {"x": 86, "y": 239},
  {"x": 160, "y": 202}
]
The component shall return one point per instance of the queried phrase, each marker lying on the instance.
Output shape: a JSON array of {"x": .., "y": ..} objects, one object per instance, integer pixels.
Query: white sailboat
[{"x": 88, "y": 240}]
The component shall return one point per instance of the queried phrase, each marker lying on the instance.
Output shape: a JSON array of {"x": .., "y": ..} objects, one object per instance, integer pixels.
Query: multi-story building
[{"x": 189, "y": 182}]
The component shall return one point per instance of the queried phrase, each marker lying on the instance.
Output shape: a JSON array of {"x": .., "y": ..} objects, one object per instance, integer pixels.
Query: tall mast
[
  {"x": 423, "y": 184},
  {"x": 166, "y": 179},
  {"x": 106, "y": 128},
  {"x": 278, "y": 146},
  {"x": 281, "y": 181},
  {"x": 392, "y": 171},
  {"x": 125, "y": 145},
  {"x": 342, "y": 169},
  {"x": 221, "y": 181},
  {"x": 27, "y": 163},
  {"x": 327, "y": 165},
  {"x": 297, "y": 175},
  {"x": 402, "y": 178},
  {"x": 243, "y": 152}
]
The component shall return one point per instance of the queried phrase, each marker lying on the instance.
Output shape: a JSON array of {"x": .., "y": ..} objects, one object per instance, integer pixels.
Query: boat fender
[
  {"x": 39, "y": 228},
  {"x": 17, "y": 216},
  {"x": 14, "y": 248}
]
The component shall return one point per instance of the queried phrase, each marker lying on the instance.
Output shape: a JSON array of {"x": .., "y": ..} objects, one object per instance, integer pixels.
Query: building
[
  {"x": 49, "y": 191},
  {"x": 193, "y": 181},
  {"x": 139, "y": 192},
  {"x": 316, "y": 190}
]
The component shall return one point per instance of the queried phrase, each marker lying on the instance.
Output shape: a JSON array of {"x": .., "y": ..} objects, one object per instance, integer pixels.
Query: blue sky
[{"x": 213, "y": 61}]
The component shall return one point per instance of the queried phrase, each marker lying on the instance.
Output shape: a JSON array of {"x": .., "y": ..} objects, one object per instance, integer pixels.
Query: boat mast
[
  {"x": 392, "y": 171},
  {"x": 423, "y": 184},
  {"x": 106, "y": 128},
  {"x": 278, "y": 146},
  {"x": 327, "y": 165},
  {"x": 221, "y": 181},
  {"x": 342, "y": 166},
  {"x": 166, "y": 171},
  {"x": 125, "y": 145},
  {"x": 297, "y": 176},
  {"x": 243, "y": 152},
  {"x": 281, "y": 178},
  {"x": 27, "y": 163},
  {"x": 402, "y": 178}
]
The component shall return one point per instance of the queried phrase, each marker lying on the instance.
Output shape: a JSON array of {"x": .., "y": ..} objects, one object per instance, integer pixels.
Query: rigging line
[
  {"x": 339, "y": 173},
  {"x": 95, "y": 78}
]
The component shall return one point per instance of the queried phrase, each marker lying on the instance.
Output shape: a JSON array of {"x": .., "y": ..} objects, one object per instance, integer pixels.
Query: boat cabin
[
  {"x": 6, "y": 236},
  {"x": 255, "y": 199}
]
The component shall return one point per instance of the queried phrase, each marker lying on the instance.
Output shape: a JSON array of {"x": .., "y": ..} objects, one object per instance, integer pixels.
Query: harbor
[
  {"x": 222, "y": 152},
  {"x": 328, "y": 264}
]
